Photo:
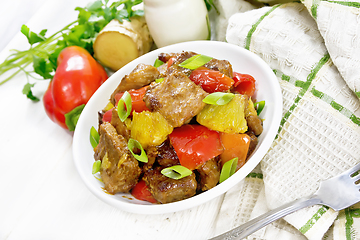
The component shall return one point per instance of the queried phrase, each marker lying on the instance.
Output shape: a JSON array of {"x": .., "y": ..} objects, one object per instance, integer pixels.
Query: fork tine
[{"x": 353, "y": 170}]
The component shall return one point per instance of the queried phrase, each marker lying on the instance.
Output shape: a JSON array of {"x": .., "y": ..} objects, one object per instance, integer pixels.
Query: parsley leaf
[{"x": 44, "y": 51}]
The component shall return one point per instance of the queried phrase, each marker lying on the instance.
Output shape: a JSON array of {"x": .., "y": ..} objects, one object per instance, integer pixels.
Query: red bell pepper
[
  {"x": 195, "y": 144},
  {"x": 137, "y": 95},
  {"x": 244, "y": 84},
  {"x": 77, "y": 77},
  {"x": 107, "y": 116},
  {"x": 211, "y": 80},
  {"x": 142, "y": 192}
]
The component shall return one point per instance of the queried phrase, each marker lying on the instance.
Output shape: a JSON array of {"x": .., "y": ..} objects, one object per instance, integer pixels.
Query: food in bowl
[{"x": 176, "y": 129}]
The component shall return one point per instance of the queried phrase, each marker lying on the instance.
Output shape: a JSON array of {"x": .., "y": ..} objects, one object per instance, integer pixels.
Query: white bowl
[{"x": 243, "y": 61}]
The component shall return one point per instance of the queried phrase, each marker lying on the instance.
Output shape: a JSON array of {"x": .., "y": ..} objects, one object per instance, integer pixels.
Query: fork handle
[{"x": 263, "y": 220}]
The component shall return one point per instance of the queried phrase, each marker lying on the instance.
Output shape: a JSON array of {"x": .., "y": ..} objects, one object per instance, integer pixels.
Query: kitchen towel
[{"x": 313, "y": 47}]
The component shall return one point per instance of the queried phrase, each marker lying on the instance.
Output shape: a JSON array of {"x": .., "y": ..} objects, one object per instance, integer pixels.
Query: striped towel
[{"x": 313, "y": 48}]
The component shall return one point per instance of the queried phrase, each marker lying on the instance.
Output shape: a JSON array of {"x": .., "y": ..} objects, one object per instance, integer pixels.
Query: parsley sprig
[{"x": 43, "y": 51}]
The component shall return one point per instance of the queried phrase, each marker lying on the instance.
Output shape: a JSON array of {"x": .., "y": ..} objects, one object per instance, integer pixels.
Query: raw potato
[{"x": 119, "y": 43}]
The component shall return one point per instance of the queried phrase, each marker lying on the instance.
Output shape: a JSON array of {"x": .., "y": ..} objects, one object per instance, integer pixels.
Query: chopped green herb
[
  {"x": 134, "y": 145},
  {"x": 44, "y": 50},
  {"x": 158, "y": 63},
  {"x": 228, "y": 169},
  {"x": 176, "y": 172},
  {"x": 96, "y": 166},
  {"x": 94, "y": 137},
  {"x": 218, "y": 98},
  {"x": 159, "y": 80},
  {"x": 195, "y": 61},
  {"x": 27, "y": 91},
  {"x": 259, "y": 106},
  {"x": 124, "y": 106}
]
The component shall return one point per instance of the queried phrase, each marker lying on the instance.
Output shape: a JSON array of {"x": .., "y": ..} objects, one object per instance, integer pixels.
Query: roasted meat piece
[
  {"x": 253, "y": 143},
  {"x": 120, "y": 126},
  {"x": 178, "y": 57},
  {"x": 119, "y": 170},
  {"x": 177, "y": 98},
  {"x": 222, "y": 66},
  {"x": 166, "y": 190},
  {"x": 166, "y": 155},
  {"x": 209, "y": 174},
  {"x": 141, "y": 76}
]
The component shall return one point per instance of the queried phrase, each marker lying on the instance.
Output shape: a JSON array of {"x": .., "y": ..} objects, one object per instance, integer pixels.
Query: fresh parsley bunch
[{"x": 44, "y": 51}]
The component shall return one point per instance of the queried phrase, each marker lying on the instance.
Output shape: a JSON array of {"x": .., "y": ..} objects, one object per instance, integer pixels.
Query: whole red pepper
[{"x": 77, "y": 77}]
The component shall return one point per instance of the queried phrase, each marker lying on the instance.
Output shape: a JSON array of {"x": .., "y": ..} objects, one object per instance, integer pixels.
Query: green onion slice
[
  {"x": 228, "y": 169},
  {"x": 134, "y": 144},
  {"x": 124, "y": 106},
  {"x": 195, "y": 61},
  {"x": 159, "y": 80},
  {"x": 176, "y": 172},
  {"x": 218, "y": 98},
  {"x": 94, "y": 137},
  {"x": 158, "y": 63},
  {"x": 259, "y": 106},
  {"x": 96, "y": 166}
]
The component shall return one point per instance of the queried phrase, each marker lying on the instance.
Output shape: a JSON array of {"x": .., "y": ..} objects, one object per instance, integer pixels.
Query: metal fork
[{"x": 339, "y": 192}]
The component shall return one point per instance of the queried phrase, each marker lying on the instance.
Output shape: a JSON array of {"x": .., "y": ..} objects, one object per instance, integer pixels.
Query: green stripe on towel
[
  {"x": 304, "y": 87},
  {"x": 255, "y": 25},
  {"x": 255, "y": 175},
  {"x": 348, "y": 4},
  {"x": 313, "y": 219},
  {"x": 344, "y": 111}
]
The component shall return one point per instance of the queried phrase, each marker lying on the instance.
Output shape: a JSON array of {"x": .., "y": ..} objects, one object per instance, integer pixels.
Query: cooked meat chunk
[
  {"x": 151, "y": 154},
  {"x": 209, "y": 174},
  {"x": 255, "y": 124},
  {"x": 120, "y": 126},
  {"x": 141, "y": 76},
  {"x": 222, "y": 66},
  {"x": 166, "y": 155},
  {"x": 119, "y": 169},
  {"x": 253, "y": 143},
  {"x": 177, "y": 98},
  {"x": 178, "y": 57},
  {"x": 253, "y": 121},
  {"x": 166, "y": 190}
]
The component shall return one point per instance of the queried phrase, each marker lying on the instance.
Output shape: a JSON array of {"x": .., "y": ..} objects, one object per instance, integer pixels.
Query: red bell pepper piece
[
  {"x": 137, "y": 95},
  {"x": 77, "y": 77},
  {"x": 142, "y": 192},
  {"x": 211, "y": 80},
  {"x": 195, "y": 144},
  {"x": 244, "y": 84},
  {"x": 107, "y": 116}
]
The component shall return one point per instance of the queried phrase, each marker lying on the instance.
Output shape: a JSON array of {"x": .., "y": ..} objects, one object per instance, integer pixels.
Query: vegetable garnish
[
  {"x": 96, "y": 167},
  {"x": 158, "y": 63},
  {"x": 159, "y": 80},
  {"x": 218, "y": 98},
  {"x": 259, "y": 106},
  {"x": 44, "y": 50},
  {"x": 195, "y": 61},
  {"x": 94, "y": 137},
  {"x": 124, "y": 106},
  {"x": 133, "y": 145},
  {"x": 228, "y": 169},
  {"x": 176, "y": 172}
]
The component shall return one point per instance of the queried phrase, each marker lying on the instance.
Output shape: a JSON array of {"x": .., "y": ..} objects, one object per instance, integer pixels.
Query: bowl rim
[{"x": 144, "y": 208}]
